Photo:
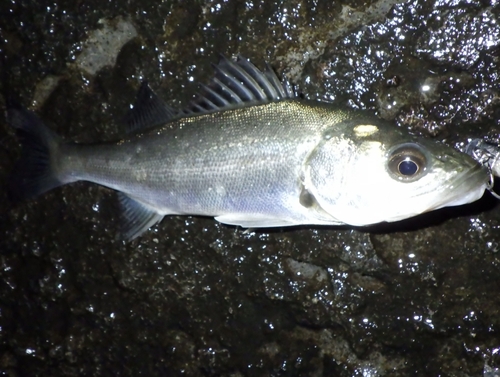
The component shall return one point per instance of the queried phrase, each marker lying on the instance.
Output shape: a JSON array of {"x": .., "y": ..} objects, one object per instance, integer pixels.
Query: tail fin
[{"x": 33, "y": 174}]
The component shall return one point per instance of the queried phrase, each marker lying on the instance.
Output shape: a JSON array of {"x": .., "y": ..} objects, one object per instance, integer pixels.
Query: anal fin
[{"x": 137, "y": 218}]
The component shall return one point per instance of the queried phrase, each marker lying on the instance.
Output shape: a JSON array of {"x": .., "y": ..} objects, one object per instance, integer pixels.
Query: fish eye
[{"x": 407, "y": 162}]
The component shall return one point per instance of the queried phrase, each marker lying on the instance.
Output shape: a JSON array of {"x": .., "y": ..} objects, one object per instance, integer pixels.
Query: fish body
[{"x": 248, "y": 153}]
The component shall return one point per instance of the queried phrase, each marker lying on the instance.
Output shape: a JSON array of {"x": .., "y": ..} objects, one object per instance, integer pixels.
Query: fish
[{"x": 251, "y": 153}]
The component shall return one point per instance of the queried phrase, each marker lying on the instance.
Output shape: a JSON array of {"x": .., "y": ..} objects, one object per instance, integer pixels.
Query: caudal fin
[{"x": 33, "y": 174}]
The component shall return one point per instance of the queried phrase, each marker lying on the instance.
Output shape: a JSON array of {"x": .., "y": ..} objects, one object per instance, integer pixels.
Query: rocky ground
[{"x": 196, "y": 298}]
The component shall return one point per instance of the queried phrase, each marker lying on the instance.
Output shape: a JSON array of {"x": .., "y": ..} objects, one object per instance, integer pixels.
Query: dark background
[{"x": 196, "y": 298}]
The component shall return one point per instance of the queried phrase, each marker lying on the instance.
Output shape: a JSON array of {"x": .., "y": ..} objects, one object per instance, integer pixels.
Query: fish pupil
[{"x": 407, "y": 167}]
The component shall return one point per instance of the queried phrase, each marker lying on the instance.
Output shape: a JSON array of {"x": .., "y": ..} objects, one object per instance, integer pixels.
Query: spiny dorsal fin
[
  {"x": 237, "y": 84},
  {"x": 148, "y": 111}
]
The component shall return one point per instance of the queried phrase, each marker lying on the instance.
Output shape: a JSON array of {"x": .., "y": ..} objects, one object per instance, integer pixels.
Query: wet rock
[{"x": 193, "y": 297}]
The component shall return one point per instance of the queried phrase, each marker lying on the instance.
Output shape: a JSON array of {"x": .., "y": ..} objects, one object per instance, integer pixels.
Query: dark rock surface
[{"x": 196, "y": 298}]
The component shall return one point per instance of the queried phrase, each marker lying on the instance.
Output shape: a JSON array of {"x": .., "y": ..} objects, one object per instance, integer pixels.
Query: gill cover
[
  {"x": 322, "y": 177},
  {"x": 371, "y": 177}
]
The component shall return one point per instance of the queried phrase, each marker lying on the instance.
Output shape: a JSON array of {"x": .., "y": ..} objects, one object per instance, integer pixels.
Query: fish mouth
[{"x": 465, "y": 188}]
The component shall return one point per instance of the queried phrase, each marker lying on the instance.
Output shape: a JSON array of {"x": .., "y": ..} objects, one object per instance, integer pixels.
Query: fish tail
[{"x": 34, "y": 173}]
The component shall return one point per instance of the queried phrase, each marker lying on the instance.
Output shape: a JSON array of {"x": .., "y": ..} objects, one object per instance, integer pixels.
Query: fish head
[{"x": 380, "y": 174}]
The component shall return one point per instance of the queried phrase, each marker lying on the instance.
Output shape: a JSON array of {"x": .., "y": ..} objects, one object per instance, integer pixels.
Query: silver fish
[{"x": 249, "y": 153}]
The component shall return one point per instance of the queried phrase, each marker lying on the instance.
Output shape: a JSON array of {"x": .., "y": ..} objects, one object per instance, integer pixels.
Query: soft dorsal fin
[
  {"x": 237, "y": 84},
  {"x": 148, "y": 111}
]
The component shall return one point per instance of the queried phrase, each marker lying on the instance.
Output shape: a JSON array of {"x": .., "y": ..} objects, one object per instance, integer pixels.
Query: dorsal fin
[
  {"x": 238, "y": 84},
  {"x": 148, "y": 111}
]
